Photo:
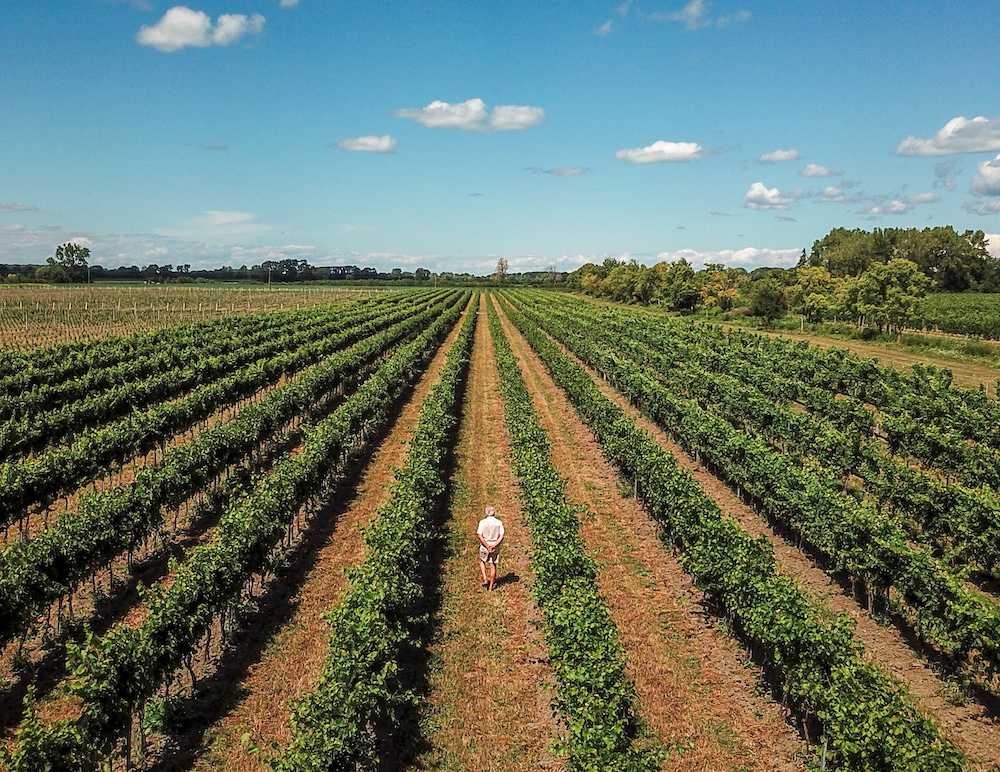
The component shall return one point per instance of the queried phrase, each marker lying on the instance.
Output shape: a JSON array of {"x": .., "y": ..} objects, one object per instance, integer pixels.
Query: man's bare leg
[
  {"x": 482, "y": 570},
  {"x": 493, "y": 574}
]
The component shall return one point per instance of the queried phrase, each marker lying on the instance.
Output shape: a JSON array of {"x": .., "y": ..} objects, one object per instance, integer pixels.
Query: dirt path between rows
[
  {"x": 967, "y": 374},
  {"x": 690, "y": 678},
  {"x": 968, "y": 725},
  {"x": 290, "y": 659},
  {"x": 488, "y": 705},
  {"x": 115, "y": 592}
]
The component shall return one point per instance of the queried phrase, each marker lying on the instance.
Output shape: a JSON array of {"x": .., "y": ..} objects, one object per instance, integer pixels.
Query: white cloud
[
  {"x": 471, "y": 115},
  {"x": 692, "y": 16},
  {"x": 369, "y": 144},
  {"x": 943, "y": 171},
  {"x": 561, "y": 171},
  {"x": 959, "y": 135},
  {"x": 178, "y": 28},
  {"x": 142, "y": 5},
  {"x": 990, "y": 207},
  {"x": 893, "y": 206},
  {"x": 833, "y": 195},
  {"x": 181, "y": 27},
  {"x": 231, "y": 27},
  {"x": 922, "y": 198},
  {"x": 695, "y": 16},
  {"x": 993, "y": 244},
  {"x": 216, "y": 225},
  {"x": 760, "y": 197},
  {"x": 113, "y": 250},
  {"x": 608, "y": 27},
  {"x": 816, "y": 170},
  {"x": 288, "y": 3},
  {"x": 215, "y": 218},
  {"x": 734, "y": 18},
  {"x": 515, "y": 117},
  {"x": 12, "y": 207},
  {"x": 778, "y": 156},
  {"x": 987, "y": 181},
  {"x": 748, "y": 257},
  {"x": 663, "y": 152}
]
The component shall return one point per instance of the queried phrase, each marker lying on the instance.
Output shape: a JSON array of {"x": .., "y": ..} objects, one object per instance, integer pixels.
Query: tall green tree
[
  {"x": 677, "y": 285},
  {"x": 888, "y": 293},
  {"x": 720, "y": 286},
  {"x": 767, "y": 300},
  {"x": 72, "y": 259},
  {"x": 812, "y": 294},
  {"x": 956, "y": 262}
]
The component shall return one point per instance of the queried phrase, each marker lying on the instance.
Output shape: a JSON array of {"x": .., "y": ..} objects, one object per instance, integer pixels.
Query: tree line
[
  {"x": 71, "y": 265},
  {"x": 872, "y": 279}
]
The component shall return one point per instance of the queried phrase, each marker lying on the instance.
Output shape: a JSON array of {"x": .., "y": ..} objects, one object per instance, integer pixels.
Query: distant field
[
  {"x": 32, "y": 315},
  {"x": 963, "y": 314}
]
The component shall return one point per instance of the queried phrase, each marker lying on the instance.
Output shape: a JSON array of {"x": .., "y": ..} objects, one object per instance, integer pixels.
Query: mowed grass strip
[
  {"x": 489, "y": 681},
  {"x": 595, "y": 697}
]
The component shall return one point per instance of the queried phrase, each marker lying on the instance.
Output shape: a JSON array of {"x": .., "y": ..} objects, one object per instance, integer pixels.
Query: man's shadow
[{"x": 509, "y": 578}]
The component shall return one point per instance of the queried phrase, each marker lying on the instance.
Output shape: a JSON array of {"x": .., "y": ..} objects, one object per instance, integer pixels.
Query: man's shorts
[{"x": 486, "y": 557}]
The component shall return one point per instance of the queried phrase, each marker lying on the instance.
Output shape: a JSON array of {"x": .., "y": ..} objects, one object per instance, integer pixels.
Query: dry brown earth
[
  {"x": 690, "y": 677},
  {"x": 965, "y": 721},
  {"x": 490, "y": 681}
]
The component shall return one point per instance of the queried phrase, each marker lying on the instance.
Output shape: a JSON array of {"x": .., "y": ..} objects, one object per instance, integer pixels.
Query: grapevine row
[
  {"x": 114, "y": 357},
  {"x": 944, "y": 428},
  {"x": 870, "y": 548},
  {"x": 595, "y": 695},
  {"x": 45, "y": 416},
  {"x": 36, "y": 573},
  {"x": 867, "y": 721},
  {"x": 358, "y": 693},
  {"x": 115, "y": 675},
  {"x": 183, "y": 345},
  {"x": 63, "y": 470},
  {"x": 966, "y": 522}
]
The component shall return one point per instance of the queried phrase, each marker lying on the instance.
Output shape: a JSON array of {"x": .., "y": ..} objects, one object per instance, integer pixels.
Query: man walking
[{"x": 490, "y": 533}]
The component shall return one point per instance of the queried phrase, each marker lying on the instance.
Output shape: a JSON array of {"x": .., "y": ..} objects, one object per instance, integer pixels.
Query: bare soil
[
  {"x": 489, "y": 682},
  {"x": 970, "y": 725},
  {"x": 695, "y": 685},
  {"x": 115, "y": 592},
  {"x": 969, "y": 375},
  {"x": 288, "y": 662}
]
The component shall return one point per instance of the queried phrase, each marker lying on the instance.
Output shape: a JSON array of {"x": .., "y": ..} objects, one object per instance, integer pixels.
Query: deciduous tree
[
  {"x": 767, "y": 300},
  {"x": 72, "y": 258}
]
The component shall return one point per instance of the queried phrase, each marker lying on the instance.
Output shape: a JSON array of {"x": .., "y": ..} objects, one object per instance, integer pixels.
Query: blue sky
[{"x": 449, "y": 134}]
